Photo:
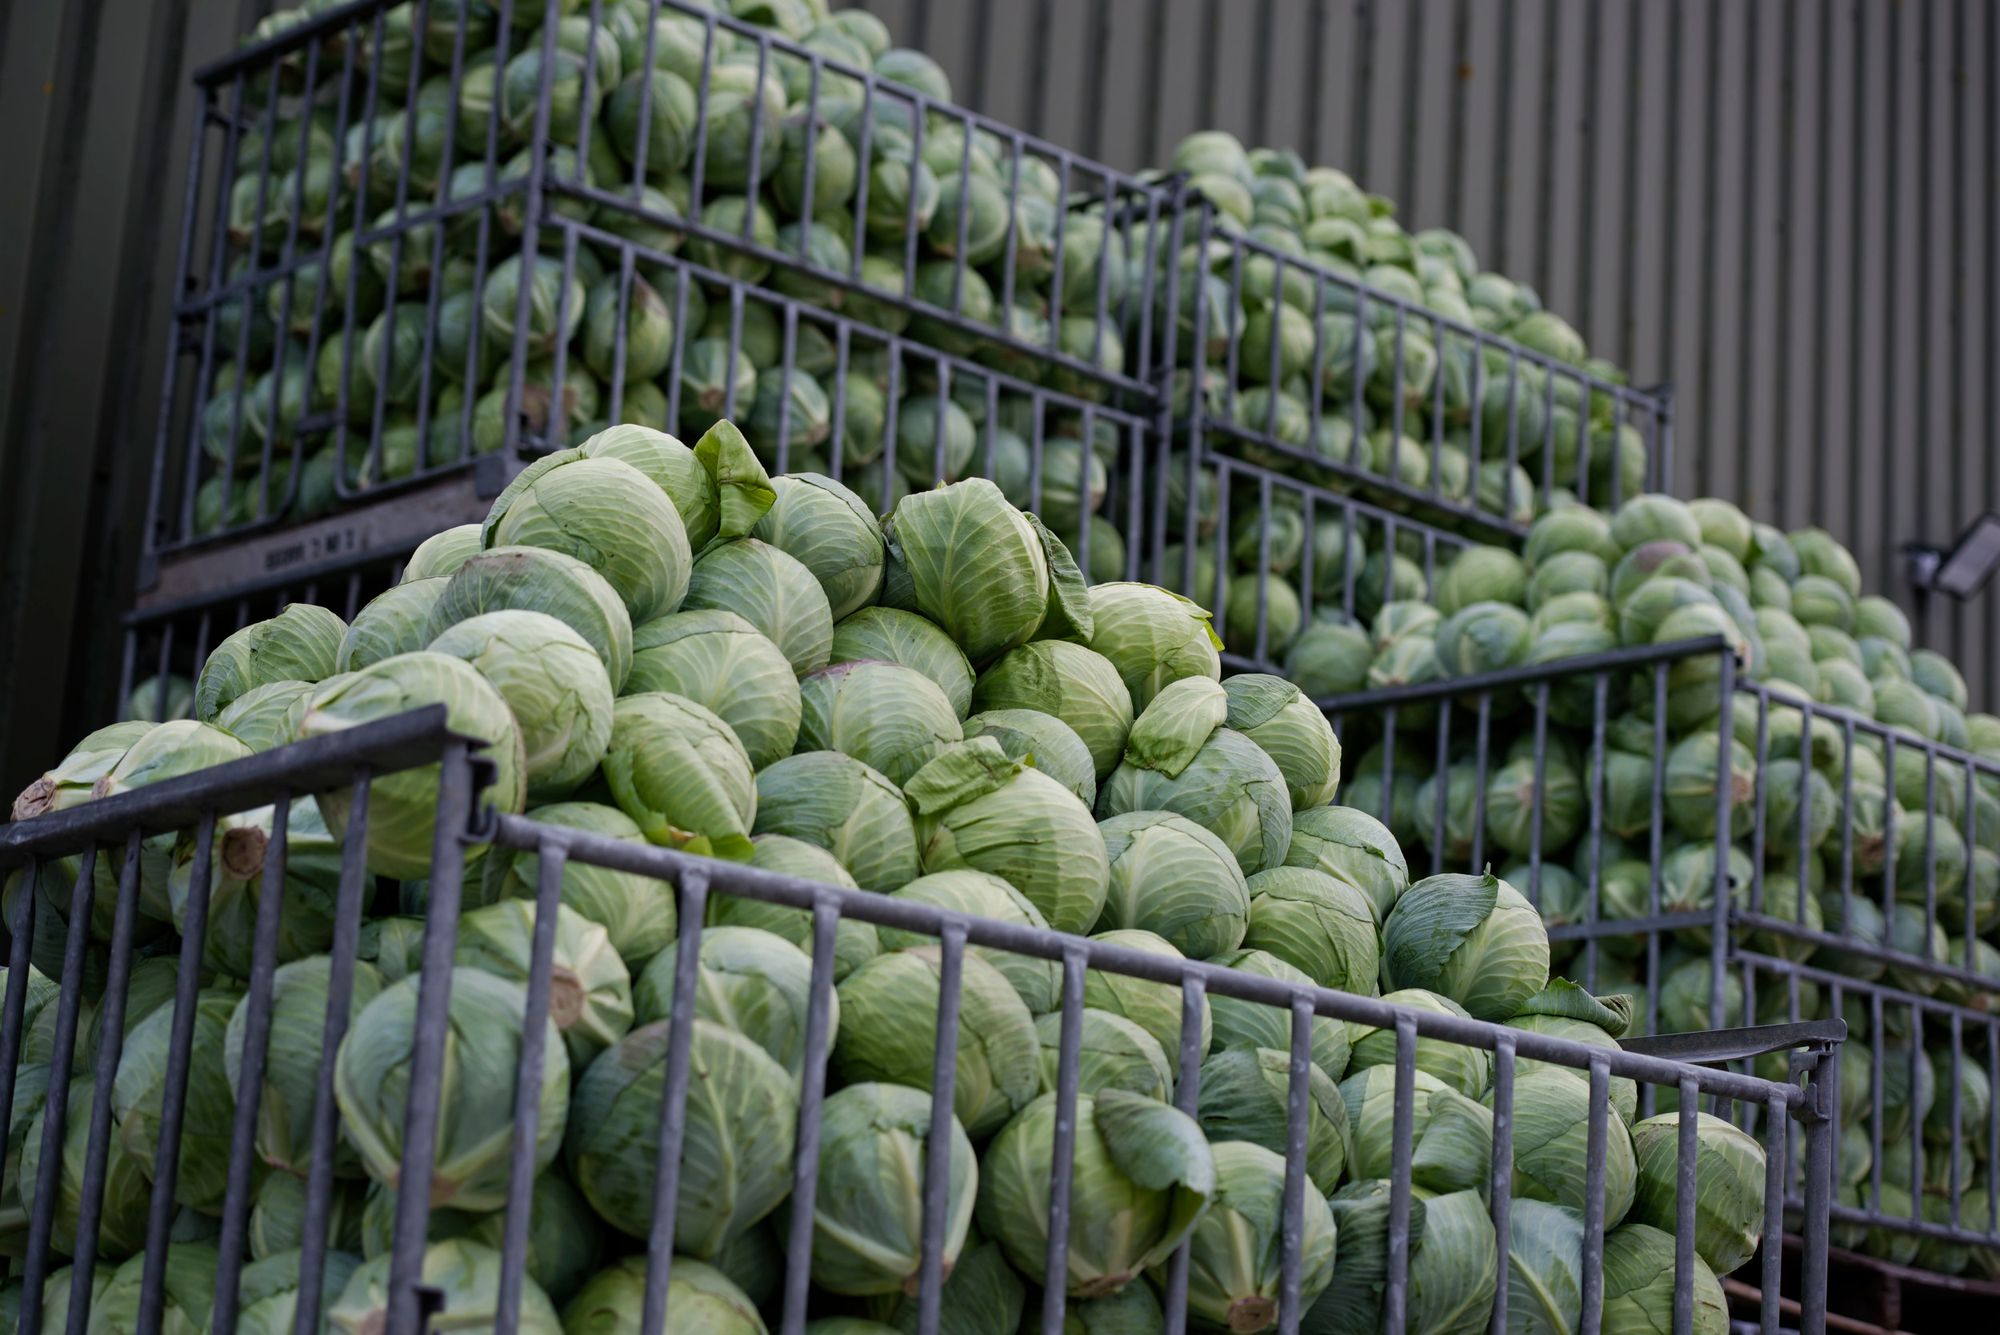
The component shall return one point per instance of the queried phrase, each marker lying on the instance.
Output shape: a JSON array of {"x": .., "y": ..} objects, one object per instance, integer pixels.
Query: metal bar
[
  {"x": 1187, "y": 1097},
  {"x": 55, "y": 1108},
  {"x": 230, "y": 1242},
  {"x": 422, "y": 1104},
  {"x": 937, "y": 1141},
  {"x": 333, "y": 1028},
  {"x": 1395, "y": 1295},
  {"x": 1298, "y": 1108},
  {"x": 1502, "y": 1190},
  {"x": 535, "y": 1026},
  {"x": 1687, "y": 1148},
  {"x": 519, "y": 832},
  {"x": 694, "y": 885},
  {"x": 812, "y": 1097},
  {"x": 402, "y": 742},
  {"x": 1595, "y": 1141},
  {"x": 110, "y": 1046},
  {"x": 1055, "y": 1266},
  {"x": 173, "y": 1097},
  {"x": 1822, "y": 1082}
]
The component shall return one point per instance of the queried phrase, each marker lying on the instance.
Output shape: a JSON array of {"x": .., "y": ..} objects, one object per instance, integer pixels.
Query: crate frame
[{"x": 1133, "y": 208}]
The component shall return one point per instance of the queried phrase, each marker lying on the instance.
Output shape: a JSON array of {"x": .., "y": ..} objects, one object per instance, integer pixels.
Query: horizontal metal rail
[
  {"x": 522, "y": 833},
  {"x": 403, "y": 742},
  {"x": 1609, "y": 660}
]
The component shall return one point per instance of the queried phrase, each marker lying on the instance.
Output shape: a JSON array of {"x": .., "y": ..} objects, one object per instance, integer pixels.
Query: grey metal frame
[
  {"x": 1482, "y": 697},
  {"x": 699, "y": 878},
  {"x": 194, "y": 802},
  {"x": 242, "y": 95},
  {"x": 1763, "y": 698},
  {"x": 1948, "y": 994}
]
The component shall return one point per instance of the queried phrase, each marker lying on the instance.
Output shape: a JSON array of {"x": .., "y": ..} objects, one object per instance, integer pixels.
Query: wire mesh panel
[
  {"x": 1043, "y": 1180},
  {"x": 162, "y": 1059},
  {"x": 1872, "y": 870},
  {"x": 1278, "y": 559},
  {"x": 1312, "y": 362},
  {"x": 1558, "y": 773},
  {"x": 1915, "y": 1126},
  {"x": 842, "y": 386},
  {"x": 349, "y": 200},
  {"x": 888, "y": 188},
  {"x": 1898, "y": 832}
]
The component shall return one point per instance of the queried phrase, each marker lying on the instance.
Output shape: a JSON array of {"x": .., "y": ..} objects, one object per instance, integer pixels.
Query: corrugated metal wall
[{"x": 1785, "y": 207}]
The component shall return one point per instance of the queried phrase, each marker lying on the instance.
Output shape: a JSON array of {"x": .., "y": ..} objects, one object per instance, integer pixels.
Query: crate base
[{"x": 395, "y": 523}]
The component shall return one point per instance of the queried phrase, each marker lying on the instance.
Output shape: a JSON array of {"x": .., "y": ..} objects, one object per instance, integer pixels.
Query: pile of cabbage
[
  {"x": 1305, "y": 322},
  {"x": 1791, "y": 608},
  {"x": 664, "y": 645},
  {"x": 432, "y": 318}
]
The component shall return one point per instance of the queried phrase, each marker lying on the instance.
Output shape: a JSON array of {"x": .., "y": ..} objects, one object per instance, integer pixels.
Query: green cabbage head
[
  {"x": 1142, "y": 1175},
  {"x": 1729, "y": 1173},
  {"x": 1474, "y": 939}
]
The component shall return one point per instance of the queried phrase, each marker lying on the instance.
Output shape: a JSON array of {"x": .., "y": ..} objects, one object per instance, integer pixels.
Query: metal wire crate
[
  {"x": 814, "y": 390},
  {"x": 882, "y": 407},
  {"x": 1328, "y": 373},
  {"x": 1907, "y": 834},
  {"x": 350, "y": 761},
  {"x": 425, "y": 156},
  {"x": 1914, "y": 1187},
  {"x": 1481, "y": 739}
]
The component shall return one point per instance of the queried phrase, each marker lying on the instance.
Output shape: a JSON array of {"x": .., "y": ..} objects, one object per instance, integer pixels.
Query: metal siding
[{"x": 1785, "y": 208}]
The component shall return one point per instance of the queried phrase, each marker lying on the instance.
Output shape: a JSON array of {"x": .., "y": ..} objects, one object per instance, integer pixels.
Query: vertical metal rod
[
  {"x": 1687, "y": 1147},
  {"x": 55, "y": 1106},
  {"x": 1725, "y": 797},
  {"x": 812, "y": 1097},
  {"x": 673, "y": 1102},
  {"x": 550, "y": 860},
  {"x": 354, "y": 883},
  {"x": 1396, "y": 1294},
  {"x": 1777, "y": 1140},
  {"x": 1593, "y": 1196},
  {"x": 1502, "y": 1194},
  {"x": 173, "y": 1097},
  {"x": 1055, "y": 1266},
  {"x": 1823, "y": 1084},
  {"x": 1187, "y": 1097},
  {"x": 20, "y": 933},
  {"x": 938, "y": 1141},
  {"x": 110, "y": 1046},
  {"x": 1298, "y": 1109},
  {"x": 250, "y": 1079},
  {"x": 421, "y": 1111}
]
